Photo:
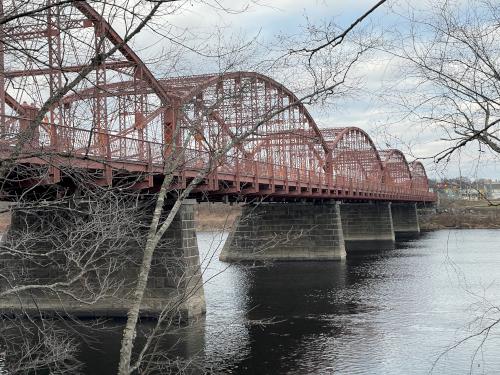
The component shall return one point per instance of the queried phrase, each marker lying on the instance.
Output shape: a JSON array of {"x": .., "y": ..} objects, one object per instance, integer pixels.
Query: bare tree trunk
[{"x": 142, "y": 280}]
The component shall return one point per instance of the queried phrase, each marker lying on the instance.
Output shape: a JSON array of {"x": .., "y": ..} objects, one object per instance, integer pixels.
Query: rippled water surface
[
  {"x": 390, "y": 313},
  {"x": 395, "y": 312}
]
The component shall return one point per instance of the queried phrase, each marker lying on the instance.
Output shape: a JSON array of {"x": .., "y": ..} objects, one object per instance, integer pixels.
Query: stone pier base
[
  {"x": 405, "y": 220},
  {"x": 367, "y": 226},
  {"x": 286, "y": 231},
  {"x": 84, "y": 262}
]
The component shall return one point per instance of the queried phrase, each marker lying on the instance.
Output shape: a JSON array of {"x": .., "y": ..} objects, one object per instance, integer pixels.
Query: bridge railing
[{"x": 113, "y": 147}]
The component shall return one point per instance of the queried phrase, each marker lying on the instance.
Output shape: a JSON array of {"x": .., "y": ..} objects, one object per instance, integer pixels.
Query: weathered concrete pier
[
  {"x": 405, "y": 220},
  {"x": 283, "y": 231},
  {"x": 367, "y": 226},
  {"x": 85, "y": 272},
  {"x": 81, "y": 278},
  {"x": 317, "y": 231}
]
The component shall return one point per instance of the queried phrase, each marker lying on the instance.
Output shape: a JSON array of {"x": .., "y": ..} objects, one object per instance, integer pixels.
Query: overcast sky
[{"x": 370, "y": 109}]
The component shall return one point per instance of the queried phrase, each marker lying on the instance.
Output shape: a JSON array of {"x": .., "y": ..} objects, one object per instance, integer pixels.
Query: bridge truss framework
[{"x": 120, "y": 120}]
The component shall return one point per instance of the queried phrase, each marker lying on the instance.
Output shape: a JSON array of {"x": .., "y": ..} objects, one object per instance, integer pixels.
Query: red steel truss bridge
[{"x": 121, "y": 123}]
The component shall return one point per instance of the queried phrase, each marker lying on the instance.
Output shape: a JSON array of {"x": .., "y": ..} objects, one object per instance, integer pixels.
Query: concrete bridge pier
[
  {"x": 61, "y": 246},
  {"x": 286, "y": 231},
  {"x": 405, "y": 220},
  {"x": 367, "y": 226}
]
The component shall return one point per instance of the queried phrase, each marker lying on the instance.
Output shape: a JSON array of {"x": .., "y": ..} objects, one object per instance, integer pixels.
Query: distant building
[{"x": 464, "y": 191}]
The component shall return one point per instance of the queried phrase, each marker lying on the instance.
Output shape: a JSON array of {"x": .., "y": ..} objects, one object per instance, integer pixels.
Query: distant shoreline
[{"x": 462, "y": 218}]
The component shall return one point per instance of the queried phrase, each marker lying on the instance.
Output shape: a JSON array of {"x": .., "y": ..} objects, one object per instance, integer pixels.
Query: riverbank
[
  {"x": 4, "y": 216},
  {"x": 462, "y": 214},
  {"x": 216, "y": 216}
]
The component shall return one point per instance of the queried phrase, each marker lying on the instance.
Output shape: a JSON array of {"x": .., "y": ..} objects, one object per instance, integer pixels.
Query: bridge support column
[
  {"x": 405, "y": 220},
  {"x": 367, "y": 226},
  {"x": 60, "y": 255},
  {"x": 286, "y": 231}
]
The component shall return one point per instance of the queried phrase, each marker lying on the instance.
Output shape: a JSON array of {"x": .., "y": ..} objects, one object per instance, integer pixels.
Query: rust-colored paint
[{"x": 123, "y": 118}]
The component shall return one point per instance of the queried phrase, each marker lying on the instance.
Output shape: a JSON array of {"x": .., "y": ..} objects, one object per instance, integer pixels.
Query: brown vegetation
[
  {"x": 462, "y": 214},
  {"x": 4, "y": 216},
  {"x": 216, "y": 216}
]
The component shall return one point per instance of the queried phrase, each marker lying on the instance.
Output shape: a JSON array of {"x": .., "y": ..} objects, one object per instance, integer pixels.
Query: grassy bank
[
  {"x": 217, "y": 216},
  {"x": 462, "y": 214},
  {"x": 4, "y": 216}
]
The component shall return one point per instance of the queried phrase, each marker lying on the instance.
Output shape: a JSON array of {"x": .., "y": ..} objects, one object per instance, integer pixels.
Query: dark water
[
  {"x": 394, "y": 312},
  {"x": 391, "y": 313}
]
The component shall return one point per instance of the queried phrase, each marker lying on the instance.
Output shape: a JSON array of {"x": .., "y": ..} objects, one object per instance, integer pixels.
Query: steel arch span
[
  {"x": 396, "y": 169},
  {"x": 355, "y": 158},
  {"x": 121, "y": 121},
  {"x": 419, "y": 180}
]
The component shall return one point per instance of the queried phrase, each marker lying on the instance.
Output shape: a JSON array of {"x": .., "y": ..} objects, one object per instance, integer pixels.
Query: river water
[{"x": 395, "y": 312}]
